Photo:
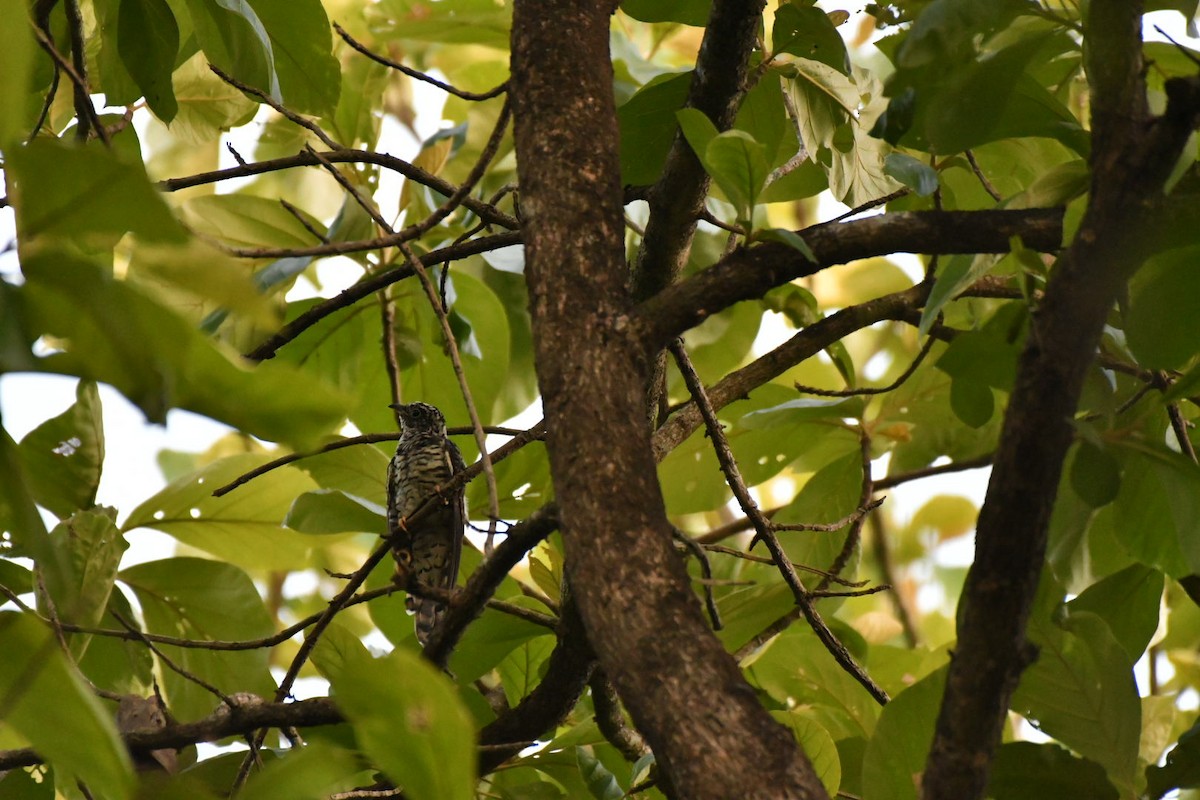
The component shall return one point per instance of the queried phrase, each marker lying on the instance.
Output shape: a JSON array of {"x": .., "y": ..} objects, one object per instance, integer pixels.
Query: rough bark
[
  {"x": 684, "y": 692},
  {"x": 1131, "y": 158},
  {"x": 718, "y": 84}
]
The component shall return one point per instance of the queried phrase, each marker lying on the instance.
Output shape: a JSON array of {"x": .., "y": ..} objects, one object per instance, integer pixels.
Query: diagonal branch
[
  {"x": 367, "y": 286},
  {"x": 750, "y": 272},
  {"x": 764, "y": 531},
  {"x": 677, "y": 199},
  {"x": 305, "y": 158}
]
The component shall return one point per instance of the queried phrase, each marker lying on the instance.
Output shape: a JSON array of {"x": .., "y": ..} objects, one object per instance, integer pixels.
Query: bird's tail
[{"x": 429, "y": 614}]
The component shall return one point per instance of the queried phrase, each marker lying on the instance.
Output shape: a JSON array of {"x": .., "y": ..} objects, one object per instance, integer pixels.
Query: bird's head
[{"x": 420, "y": 418}]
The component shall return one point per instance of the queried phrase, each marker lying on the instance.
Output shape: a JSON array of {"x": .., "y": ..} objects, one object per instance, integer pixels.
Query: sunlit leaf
[
  {"x": 244, "y": 526},
  {"x": 47, "y": 703},
  {"x": 195, "y": 598},
  {"x": 63, "y": 456},
  {"x": 408, "y": 718}
]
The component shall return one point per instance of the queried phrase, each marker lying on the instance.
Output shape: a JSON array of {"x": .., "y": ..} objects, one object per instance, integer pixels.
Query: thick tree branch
[
  {"x": 750, "y": 272},
  {"x": 467, "y": 604},
  {"x": 1131, "y": 158},
  {"x": 805, "y": 344},
  {"x": 684, "y": 692},
  {"x": 222, "y": 723},
  {"x": 677, "y": 200},
  {"x": 567, "y": 672}
]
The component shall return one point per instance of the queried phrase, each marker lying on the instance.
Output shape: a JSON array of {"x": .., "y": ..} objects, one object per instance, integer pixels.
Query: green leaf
[
  {"x": 244, "y": 526},
  {"x": 83, "y": 194},
  {"x": 898, "y": 749},
  {"x": 958, "y": 274},
  {"x": 63, "y": 456},
  {"x": 359, "y": 471},
  {"x": 972, "y": 402},
  {"x": 333, "y": 511},
  {"x": 16, "y": 69},
  {"x": 207, "y": 105},
  {"x": 735, "y": 160},
  {"x": 312, "y": 772},
  {"x": 796, "y": 668},
  {"x": 824, "y": 99},
  {"x": 115, "y": 334},
  {"x": 516, "y": 647},
  {"x": 451, "y": 21},
  {"x": 234, "y": 39},
  {"x": 1024, "y": 770},
  {"x": 968, "y": 110},
  {"x": 1095, "y": 475},
  {"x": 523, "y": 669},
  {"x": 739, "y": 166},
  {"x": 648, "y": 124},
  {"x": 43, "y": 699},
  {"x": 802, "y": 410},
  {"x": 20, "y": 523},
  {"x": 916, "y": 175},
  {"x": 1156, "y": 511},
  {"x": 148, "y": 42},
  {"x": 409, "y": 720},
  {"x": 790, "y": 238},
  {"x": 1081, "y": 691},
  {"x": 817, "y": 744},
  {"x": 89, "y": 547},
  {"x": 337, "y": 648},
  {"x": 1167, "y": 287},
  {"x": 309, "y": 75},
  {"x": 1129, "y": 602},
  {"x": 195, "y": 598},
  {"x": 808, "y": 32}
]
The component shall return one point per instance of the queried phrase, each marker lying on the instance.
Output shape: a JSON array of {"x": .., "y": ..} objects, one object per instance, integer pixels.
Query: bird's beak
[{"x": 396, "y": 406}]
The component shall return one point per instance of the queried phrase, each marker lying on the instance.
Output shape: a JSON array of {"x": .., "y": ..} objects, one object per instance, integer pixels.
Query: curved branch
[
  {"x": 567, "y": 672},
  {"x": 374, "y": 283},
  {"x": 468, "y": 603},
  {"x": 749, "y": 273},
  {"x": 305, "y": 158}
]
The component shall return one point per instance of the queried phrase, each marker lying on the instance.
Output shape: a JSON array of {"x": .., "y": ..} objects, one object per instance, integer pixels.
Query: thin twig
[
  {"x": 830, "y": 527},
  {"x": 363, "y": 202},
  {"x": 876, "y": 203},
  {"x": 343, "y": 156},
  {"x": 87, "y": 112},
  {"x": 941, "y": 469},
  {"x": 987, "y": 185},
  {"x": 456, "y": 361},
  {"x": 536, "y": 432},
  {"x": 303, "y": 220},
  {"x": 762, "y": 527},
  {"x": 170, "y": 663},
  {"x": 697, "y": 550},
  {"x": 391, "y": 362},
  {"x": 266, "y": 99},
  {"x": 925, "y": 348},
  {"x": 417, "y": 74},
  {"x": 268, "y": 348},
  {"x": 729, "y": 551},
  {"x": 864, "y": 502},
  {"x": 883, "y": 560}
]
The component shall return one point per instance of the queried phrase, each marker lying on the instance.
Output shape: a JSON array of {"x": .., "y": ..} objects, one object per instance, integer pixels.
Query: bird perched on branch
[{"x": 426, "y": 548}]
